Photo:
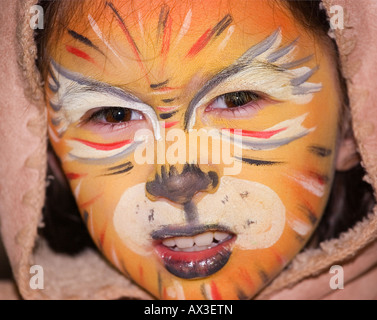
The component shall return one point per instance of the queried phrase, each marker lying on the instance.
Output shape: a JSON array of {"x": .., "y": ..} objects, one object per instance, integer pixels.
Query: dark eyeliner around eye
[
  {"x": 239, "y": 98},
  {"x": 111, "y": 115}
]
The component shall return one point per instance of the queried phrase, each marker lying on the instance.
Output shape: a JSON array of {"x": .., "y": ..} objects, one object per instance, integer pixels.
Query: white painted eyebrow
[
  {"x": 90, "y": 85},
  {"x": 73, "y": 89},
  {"x": 271, "y": 58}
]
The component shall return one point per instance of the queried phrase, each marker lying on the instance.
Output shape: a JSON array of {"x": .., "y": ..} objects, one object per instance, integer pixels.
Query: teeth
[
  {"x": 204, "y": 239},
  {"x": 200, "y": 242},
  {"x": 195, "y": 248},
  {"x": 184, "y": 242},
  {"x": 169, "y": 242},
  {"x": 220, "y": 235}
]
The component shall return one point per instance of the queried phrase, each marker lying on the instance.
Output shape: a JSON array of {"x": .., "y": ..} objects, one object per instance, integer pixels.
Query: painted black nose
[{"x": 181, "y": 187}]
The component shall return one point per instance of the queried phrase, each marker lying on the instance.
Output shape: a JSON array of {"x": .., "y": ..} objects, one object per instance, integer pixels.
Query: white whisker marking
[
  {"x": 99, "y": 33},
  {"x": 223, "y": 43}
]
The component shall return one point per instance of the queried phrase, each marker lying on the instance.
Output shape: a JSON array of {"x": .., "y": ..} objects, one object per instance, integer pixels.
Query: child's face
[{"x": 179, "y": 224}]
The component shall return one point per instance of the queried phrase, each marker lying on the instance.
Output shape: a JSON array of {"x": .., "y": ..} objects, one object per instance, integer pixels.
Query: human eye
[
  {"x": 111, "y": 117},
  {"x": 237, "y": 105}
]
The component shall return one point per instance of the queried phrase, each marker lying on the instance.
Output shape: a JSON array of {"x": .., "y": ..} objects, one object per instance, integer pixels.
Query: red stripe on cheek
[
  {"x": 215, "y": 292},
  {"x": 166, "y": 109},
  {"x": 168, "y": 125},
  {"x": 79, "y": 53},
  {"x": 246, "y": 277},
  {"x": 278, "y": 257},
  {"x": 91, "y": 201},
  {"x": 102, "y": 237},
  {"x": 319, "y": 178},
  {"x": 74, "y": 176},
  {"x": 255, "y": 134},
  {"x": 104, "y": 146},
  {"x": 167, "y": 89}
]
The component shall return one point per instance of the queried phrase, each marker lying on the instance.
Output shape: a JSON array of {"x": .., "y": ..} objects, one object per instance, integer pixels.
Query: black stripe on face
[
  {"x": 155, "y": 86},
  {"x": 159, "y": 283},
  {"x": 121, "y": 21},
  {"x": 256, "y": 162},
  {"x": 242, "y": 295},
  {"x": 320, "y": 151},
  {"x": 309, "y": 213},
  {"x": 84, "y": 40},
  {"x": 222, "y": 25},
  {"x": 164, "y": 14},
  {"x": 300, "y": 239},
  {"x": 168, "y": 100},
  {"x": 86, "y": 217},
  {"x": 264, "y": 276},
  {"x": 165, "y": 116},
  {"x": 123, "y": 168}
]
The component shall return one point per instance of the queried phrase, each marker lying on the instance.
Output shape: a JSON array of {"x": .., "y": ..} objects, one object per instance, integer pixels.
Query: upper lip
[{"x": 186, "y": 231}]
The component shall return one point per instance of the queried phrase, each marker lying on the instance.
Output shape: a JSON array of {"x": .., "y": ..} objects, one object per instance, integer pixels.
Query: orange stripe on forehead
[
  {"x": 200, "y": 44},
  {"x": 208, "y": 35}
]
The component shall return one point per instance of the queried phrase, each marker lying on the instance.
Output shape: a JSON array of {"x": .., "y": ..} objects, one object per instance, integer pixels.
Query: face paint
[{"x": 188, "y": 230}]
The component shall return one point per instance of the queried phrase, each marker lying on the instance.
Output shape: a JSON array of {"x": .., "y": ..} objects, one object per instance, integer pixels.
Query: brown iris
[
  {"x": 240, "y": 98},
  {"x": 116, "y": 115}
]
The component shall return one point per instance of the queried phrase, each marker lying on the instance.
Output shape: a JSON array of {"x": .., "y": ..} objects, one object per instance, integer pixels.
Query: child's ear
[{"x": 347, "y": 157}]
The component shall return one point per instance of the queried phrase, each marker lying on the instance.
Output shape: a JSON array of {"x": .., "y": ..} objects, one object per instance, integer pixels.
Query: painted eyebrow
[
  {"x": 78, "y": 84},
  {"x": 241, "y": 64},
  {"x": 90, "y": 85},
  {"x": 84, "y": 40},
  {"x": 271, "y": 52}
]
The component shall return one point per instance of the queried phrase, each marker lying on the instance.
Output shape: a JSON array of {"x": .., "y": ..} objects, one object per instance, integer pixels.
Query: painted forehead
[{"x": 165, "y": 45}]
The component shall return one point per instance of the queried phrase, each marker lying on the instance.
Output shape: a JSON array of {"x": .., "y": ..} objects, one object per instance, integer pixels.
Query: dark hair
[
  {"x": 309, "y": 14},
  {"x": 350, "y": 200}
]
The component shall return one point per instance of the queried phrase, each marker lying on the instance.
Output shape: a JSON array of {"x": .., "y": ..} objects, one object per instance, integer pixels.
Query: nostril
[
  {"x": 214, "y": 177},
  {"x": 181, "y": 187}
]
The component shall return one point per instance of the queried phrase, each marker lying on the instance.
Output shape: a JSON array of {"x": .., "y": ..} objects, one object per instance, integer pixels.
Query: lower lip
[{"x": 198, "y": 264}]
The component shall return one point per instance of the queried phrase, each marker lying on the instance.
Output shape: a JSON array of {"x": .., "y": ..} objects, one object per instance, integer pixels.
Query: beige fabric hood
[{"x": 23, "y": 157}]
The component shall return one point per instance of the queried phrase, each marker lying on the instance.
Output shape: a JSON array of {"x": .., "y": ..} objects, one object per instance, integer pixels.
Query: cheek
[
  {"x": 136, "y": 217},
  {"x": 98, "y": 191},
  {"x": 251, "y": 210}
]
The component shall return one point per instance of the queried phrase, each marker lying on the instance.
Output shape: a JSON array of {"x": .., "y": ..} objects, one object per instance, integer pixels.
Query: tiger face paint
[{"x": 123, "y": 76}]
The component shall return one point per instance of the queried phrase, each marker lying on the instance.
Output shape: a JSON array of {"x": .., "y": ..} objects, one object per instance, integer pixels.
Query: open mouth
[{"x": 195, "y": 255}]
